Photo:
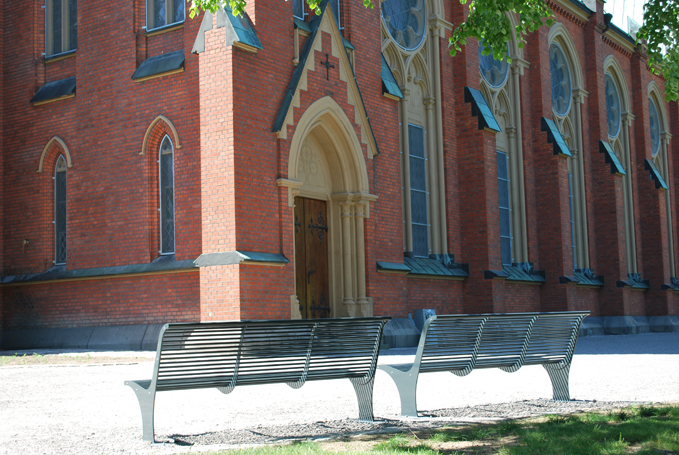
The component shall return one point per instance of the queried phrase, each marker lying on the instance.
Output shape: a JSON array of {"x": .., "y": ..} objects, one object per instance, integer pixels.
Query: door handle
[{"x": 308, "y": 276}]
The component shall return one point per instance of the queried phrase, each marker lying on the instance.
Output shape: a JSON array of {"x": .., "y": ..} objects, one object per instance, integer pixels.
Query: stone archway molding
[
  {"x": 167, "y": 121},
  {"x": 349, "y": 200},
  {"x": 67, "y": 153}
]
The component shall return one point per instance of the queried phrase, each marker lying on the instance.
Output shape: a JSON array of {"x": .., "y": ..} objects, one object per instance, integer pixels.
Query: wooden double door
[{"x": 311, "y": 258}]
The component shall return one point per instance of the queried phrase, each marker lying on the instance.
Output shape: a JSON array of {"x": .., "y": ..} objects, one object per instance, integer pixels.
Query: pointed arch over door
[{"x": 327, "y": 163}]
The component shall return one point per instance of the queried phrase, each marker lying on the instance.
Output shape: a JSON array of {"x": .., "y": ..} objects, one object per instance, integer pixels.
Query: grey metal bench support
[
  {"x": 224, "y": 355},
  {"x": 462, "y": 343}
]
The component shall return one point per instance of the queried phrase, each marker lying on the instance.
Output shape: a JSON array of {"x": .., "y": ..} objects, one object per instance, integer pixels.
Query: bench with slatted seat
[
  {"x": 229, "y": 354},
  {"x": 462, "y": 343}
]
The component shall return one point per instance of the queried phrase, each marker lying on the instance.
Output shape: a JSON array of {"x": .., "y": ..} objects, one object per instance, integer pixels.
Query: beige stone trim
[
  {"x": 165, "y": 30},
  {"x": 53, "y": 100},
  {"x": 58, "y": 58},
  {"x": 293, "y": 187},
  {"x": 619, "y": 40},
  {"x": 568, "y": 6},
  {"x": 326, "y": 162},
  {"x": 167, "y": 121},
  {"x": 245, "y": 47},
  {"x": 66, "y": 153},
  {"x": 156, "y": 76}
]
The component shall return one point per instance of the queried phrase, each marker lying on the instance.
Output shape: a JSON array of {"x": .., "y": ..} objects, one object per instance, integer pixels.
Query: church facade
[{"x": 157, "y": 168}]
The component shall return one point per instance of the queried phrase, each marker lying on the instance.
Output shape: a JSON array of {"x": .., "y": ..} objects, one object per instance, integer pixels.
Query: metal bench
[
  {"x": 462, "y": 343},
  {"x": 229, "y": 354}
]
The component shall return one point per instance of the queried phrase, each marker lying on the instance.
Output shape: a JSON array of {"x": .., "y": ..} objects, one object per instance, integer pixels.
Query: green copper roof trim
[
  {"x": 655, "y": 175},
  {"x": 161, "y": 264},
  {"x": 520, "y": 272},
  {"x": 392, "y": 267},
  {"x": 159, "y": 64},
  {"x": 481, "y": 110},
  {"x": 554, "y": 137},
  {"x": 584, "y": 278},
  {"x": 55, "y": 90},
  {"x": 347, "y": 44},
  {"x": 302, "y": 25},
  {"x": 634, "y": 281},
  {"x": 611, "y": 158},
  {"x": 242, "y": 28},
  {"x": 389, "y": 84},
  {"x": 240, "y": 257},
  {"x": 236, "y": 30}
]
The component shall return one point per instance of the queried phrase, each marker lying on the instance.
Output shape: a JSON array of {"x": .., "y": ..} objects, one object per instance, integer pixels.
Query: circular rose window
[{"x": 405, "y": 21}]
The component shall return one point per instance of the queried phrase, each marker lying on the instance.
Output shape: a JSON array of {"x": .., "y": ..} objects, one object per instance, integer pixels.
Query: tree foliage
[
  {"x": 660, "y": 33},
  {"x": 488, "y": 22}
]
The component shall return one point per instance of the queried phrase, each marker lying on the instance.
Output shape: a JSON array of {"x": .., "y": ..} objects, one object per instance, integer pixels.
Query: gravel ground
[{"x": 85, "y": 408}]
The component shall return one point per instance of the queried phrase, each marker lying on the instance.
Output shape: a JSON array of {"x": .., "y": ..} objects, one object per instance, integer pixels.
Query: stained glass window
[
  {"x": 166, "y": 197},
  {"x": 405, "y": 21},
  {"x": 505, "y": 208},
  {"x": 61, "y": 26},
  {"x": 495, "y": 72},
  {"x": 612, "y": 107},
  {"x": 60, "y": 211},
  {"x": 655, "y": 127},
  {"x": 160, "y": 13},
  {"x": 418, "y": 191},
  {"x": 561, "y": 80},
  {"x": 570, "y": 201}
]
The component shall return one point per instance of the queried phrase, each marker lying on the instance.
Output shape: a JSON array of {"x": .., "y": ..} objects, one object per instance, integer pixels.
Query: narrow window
[
  {"x": 166, "y": 209},
  {"x": 61, "y": 26},
  {"x": 418, "y": 191},
  {"x": 570, "y": 201},
  {"x": 60, "y": 211},
  {"x": 505, "y": 208},
  {"x": 160, "y": 13}
]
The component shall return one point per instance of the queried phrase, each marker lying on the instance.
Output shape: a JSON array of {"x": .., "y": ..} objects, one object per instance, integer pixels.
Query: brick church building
[{"x": 156, "y": 168}]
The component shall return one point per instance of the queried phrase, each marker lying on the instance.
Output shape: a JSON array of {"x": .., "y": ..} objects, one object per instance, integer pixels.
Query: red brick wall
[{"x": 153, "y": 299}]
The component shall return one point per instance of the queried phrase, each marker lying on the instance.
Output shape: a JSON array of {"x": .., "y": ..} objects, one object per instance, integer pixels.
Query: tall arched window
[
  {"x": 500, "y": 87},
  {"x": 618, "y": 119},
  {"x": 659, "y": 145},
  {"x": 567, "y": 99},
  {"x": 410, "y": 45},
  {"x": 166, "y": 180},
  {"x": 60, "y": 211}
]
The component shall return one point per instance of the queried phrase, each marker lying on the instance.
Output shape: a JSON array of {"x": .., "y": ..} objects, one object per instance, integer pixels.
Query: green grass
[{"x": 642, "y": 430}]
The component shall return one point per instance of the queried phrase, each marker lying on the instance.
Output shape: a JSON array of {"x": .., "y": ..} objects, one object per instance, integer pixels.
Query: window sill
[
  {"x": 634, "y": 281},
  {"x": 673, "y": 286},
  {"x": 164, "y": 29},
  {"x": 58, "y": 57},
  {"x": 583, "y": 278},
  {"x": 518, "y": 272}
]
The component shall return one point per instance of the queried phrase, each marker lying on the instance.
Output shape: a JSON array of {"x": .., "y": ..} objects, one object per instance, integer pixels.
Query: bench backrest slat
[
  {"x": 464, "y": 342},
  {"x": 253, "y": 352}
]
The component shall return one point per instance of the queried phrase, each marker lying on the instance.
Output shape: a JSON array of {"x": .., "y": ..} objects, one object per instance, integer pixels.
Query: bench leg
[
  {"x": 147, "y": 400},
  {"x": 406, "y": 383},
  {"x": 364, "y": 394},
  {"x": 559, "y": 376}
]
